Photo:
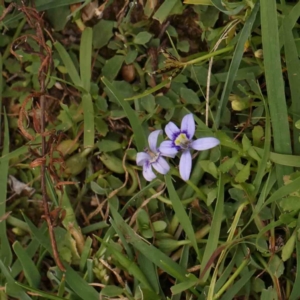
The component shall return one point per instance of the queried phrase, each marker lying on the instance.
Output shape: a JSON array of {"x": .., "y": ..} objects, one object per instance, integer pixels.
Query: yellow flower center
[{"x": 181, "y": 140}]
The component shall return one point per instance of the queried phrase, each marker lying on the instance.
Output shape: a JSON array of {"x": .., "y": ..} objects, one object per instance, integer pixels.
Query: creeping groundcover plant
[{"x": 181, "y": 141}]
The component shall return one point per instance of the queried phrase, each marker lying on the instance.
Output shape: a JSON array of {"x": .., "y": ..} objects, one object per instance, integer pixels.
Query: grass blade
[
  {"x": 293, "y": 67},
  {"x": 67, "y": 61},
  {"x": 156, "y": 256},
  {"x": 235, "y": 63},
  {"x": 38, "y": 292},
  {"x": 214, "y": 233},
  {"x": 5, "y": 250},
  {"x": 12, "y": 289},
  {"x": 181, "y": 213},
  {"x": 275, "y": 85},
  {"x": 164, "y": 10},
  {"x": 30, "y": 270},
  {"x": 139, "y": 135},
  {"x": 88, "y": 121},
  {"x": 86, "y": 58}
]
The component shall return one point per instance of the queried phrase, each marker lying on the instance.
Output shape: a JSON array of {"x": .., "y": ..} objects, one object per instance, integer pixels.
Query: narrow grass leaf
[
  {"x": 86, "y": 58},
  {"x": 181, "y": 213},
  {"x": 164, "y": 10},
  {"x": 80, "y": 286},
  {"x": 67, "y": 61},
  {"x": 235, "y": 63},
  {"x": 237, "y": 286},
  {"x": 220, "y": 6},
  {"x": 198, "y": 2},
  {"x": 1, "y": 88},
  {"x": 275, "y": 85},
  {"x": 12, "y": 289},
  {"x": 85, "y": 253},
  {"x": 150, "y": 271},
  {"x": 31, "y": 249},
  {"x": 214, "y": 233},
  {"x": 139, "y": 135},
  {"x": 77, "y": 284},
  {"x": 5, "y": 250},
  {"x": 293, "y": 69},
  {"x": 40, "y": 293},
  {"x": 88, "y": 121},
  {"x": 155, "y": 255},
  {"x": 45, "y": 5},
  {"x": 263, "y": 164},
  {"x": 184, "y": 259},
  {"x": 150, "y": 91},
  {"x": 130, "y": 266},
  {"x": 112, "y": 291},
  {"x": 290, "y": 21},
  {"x": 183, "y": 286},
  {"x": 29, "y": 268},
  {"x": 281, "y": 159},
  {"x": 283, "y": 191}
]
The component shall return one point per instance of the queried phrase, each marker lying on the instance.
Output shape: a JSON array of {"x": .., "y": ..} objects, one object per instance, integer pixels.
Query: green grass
[{"x": 231, "y": 230}]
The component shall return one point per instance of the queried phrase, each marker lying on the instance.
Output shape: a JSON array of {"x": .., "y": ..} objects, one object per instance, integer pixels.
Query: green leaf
[
  {"x": 153, "y": 254},
  {"x": 289, "y": 247},
  {"x": 275, "y": 85},
  {"x": 293, "y": 67},
  {"x": 269, "y": 294},
  {"x": 183, "y": 286},
  {"x": 189, "y": 96},
  {"x": 5, "y": 251},
  {"x": 112, "y": 67},
  {"x": 67, "y": 61},
  {"x": 130, "y": 266},
  {"x": 97, "y": 189},
  {"x": 164, "y": 10},
  {"x": 142, "y": 38},
  {"x": 228, "y": 164},
  {"x": 88, "y": 121},
  {"x": 209, "y": 167},
  {"x": 235, "y": 63},
  {"x": 108, "y": 146},
  {"x": 29, "y": 268},
  {"x": 139, "y": 135},
  {"x": 214, "y": 233},
  {"x": 39, "y": 292},
  {"x": 12, "y": 289},
  {"x": 111, "y": 291},
  {"x": 181, "y": 213},
  {"x": 291, "y": 203},
  {"x": 276, "y": 266},
  {"x": 86, "y": 58},
  {"x": 243, "y": 174},
  {"x": 102, "y": 33}
]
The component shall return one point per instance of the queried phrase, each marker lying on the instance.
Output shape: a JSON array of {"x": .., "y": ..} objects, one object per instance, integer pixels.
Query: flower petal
[
  {"x": 168, "y": 149},
  {"x": 161, "y": 166},
  {"x": 185, "y": 165},
  {"x": 141, "y": 158},
  {"x": 172, "y": 130},
  {"x": 152, "y": 140},
  {"x": 205, "y": 143},
  {"x": 147, "y": 172},
  {"x": 188, "y": 125}
]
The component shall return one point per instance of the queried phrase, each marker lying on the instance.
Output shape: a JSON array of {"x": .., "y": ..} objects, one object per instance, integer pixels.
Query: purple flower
[
  {"x": 181, "y": 140},
  {"x": 152, "y": 158}
]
